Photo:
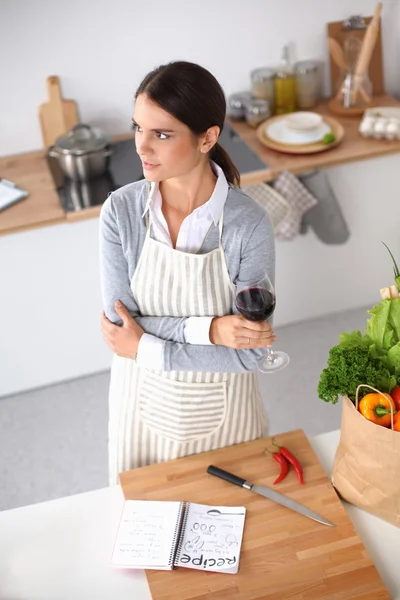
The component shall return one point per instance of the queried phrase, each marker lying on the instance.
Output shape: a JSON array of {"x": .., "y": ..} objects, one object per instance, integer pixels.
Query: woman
[{"x": 183, "y": 376}]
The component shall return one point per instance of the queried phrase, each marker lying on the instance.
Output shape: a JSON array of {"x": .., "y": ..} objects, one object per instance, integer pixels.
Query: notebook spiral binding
[{"x": 179, "y": 531}]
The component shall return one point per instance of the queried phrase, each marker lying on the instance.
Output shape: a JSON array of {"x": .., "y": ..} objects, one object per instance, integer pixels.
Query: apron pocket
[{"x": 181, "y": 411}]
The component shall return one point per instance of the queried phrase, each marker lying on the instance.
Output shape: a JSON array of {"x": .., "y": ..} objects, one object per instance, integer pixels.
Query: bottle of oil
[{"x": 285, "y": 85}]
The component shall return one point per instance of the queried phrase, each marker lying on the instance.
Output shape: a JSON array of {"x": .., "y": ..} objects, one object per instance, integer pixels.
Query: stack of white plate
[{"x": 297, "y": 129}]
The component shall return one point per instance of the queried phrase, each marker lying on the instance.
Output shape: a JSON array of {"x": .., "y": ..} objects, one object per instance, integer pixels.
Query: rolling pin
[{"x": 367, "y": 47}]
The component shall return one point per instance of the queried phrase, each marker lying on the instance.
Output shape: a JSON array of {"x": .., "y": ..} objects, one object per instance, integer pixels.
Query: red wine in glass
[{"x": 256, "y": 302}]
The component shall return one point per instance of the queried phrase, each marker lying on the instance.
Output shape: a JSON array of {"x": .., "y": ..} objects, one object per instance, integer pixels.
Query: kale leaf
[{"x": 348, "y": 367}]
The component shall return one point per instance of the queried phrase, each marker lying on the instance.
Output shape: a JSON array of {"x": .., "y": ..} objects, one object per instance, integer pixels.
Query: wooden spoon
[{"x": 337, "y": 54}]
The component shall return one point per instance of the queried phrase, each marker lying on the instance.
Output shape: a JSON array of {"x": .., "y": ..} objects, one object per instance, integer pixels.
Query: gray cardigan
[{"x": 248, "y": 244}]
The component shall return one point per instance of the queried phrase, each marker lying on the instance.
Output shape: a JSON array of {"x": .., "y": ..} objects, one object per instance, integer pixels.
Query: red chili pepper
[
  {"x": 292, "y": 459},
  {"x": 281, "y": 460},
  {"x": 284, "y": 466}
]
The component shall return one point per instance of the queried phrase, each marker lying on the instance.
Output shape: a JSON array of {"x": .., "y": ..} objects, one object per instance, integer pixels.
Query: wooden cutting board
[
  {"x": 57, "y": 116},
  {"x": 284, "y": 555},
  {"x": 375, "y": 71}
]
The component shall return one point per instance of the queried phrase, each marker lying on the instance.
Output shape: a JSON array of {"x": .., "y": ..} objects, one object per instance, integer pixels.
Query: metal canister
[
  {"x": 236, "y": 105},
  {"x": 257, "y": 111}
]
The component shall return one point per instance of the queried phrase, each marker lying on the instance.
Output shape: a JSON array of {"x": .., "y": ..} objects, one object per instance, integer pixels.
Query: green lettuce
[
  {"x": 355, "y": 339},
  {"x": 393, "y": 357},
  {"x": 372, "y": 358},
  {"x": 378, "y": 324},
  {"x": 383, "y": 327},
  {"x": 394, "y": 317}
]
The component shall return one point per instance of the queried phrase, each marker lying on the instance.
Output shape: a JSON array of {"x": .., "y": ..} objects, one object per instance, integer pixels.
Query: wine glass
[{"x": 256, "y": 302}]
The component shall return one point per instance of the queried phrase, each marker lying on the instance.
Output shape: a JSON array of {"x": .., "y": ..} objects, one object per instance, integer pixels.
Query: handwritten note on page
[
  {"x": 145, "y": 535},
  {"x": 212, "y": 538}
]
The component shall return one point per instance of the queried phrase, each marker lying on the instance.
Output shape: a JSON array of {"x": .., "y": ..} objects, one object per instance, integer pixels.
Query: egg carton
[{"x": 381, "y": 123}]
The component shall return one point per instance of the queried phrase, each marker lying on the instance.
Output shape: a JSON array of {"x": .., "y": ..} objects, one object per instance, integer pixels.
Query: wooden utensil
[
  {"x": 56, "y": 116},
  {"x": 284, "y": 556},
  {"x": 337, "y": 53},
  {"x": 367, "y": 47},
  {"x": 338, "y": 32}
]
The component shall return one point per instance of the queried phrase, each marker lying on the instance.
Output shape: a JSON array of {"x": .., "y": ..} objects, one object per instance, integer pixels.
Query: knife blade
[{"x": 270, "y": 494}]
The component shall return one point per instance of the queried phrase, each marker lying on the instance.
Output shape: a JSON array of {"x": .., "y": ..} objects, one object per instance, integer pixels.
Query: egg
[
  {"x": 380, "y": 128},
  {"x": 393, "y": 129},
  {"x": 367, "y": 126}
]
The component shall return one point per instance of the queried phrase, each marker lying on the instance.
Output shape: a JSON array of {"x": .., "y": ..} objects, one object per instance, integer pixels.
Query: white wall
[
  {"x": 49, "y": 287},
  {"x": 101, "y": 49}
]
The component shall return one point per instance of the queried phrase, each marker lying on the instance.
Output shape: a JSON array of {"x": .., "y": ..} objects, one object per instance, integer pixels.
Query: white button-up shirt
[{"x": 191, "y": 236}]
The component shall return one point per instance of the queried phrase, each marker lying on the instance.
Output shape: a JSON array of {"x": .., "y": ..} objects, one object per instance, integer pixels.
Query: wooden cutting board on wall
[
  {"x": 335, "y": 30},
  {"x": 284, "y": 555},
  {"x": 57, "y": 116}
]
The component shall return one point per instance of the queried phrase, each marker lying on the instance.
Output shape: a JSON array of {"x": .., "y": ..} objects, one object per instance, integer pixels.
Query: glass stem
[{"x": 270, "y": 356}]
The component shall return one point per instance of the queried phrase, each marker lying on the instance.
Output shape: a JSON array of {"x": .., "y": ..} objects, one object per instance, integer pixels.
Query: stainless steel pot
[{"x": 83, "y": 153}]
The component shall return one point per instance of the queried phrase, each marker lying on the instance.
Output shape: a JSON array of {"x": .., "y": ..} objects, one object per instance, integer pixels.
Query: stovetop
[{"x": 126, "y": 167}]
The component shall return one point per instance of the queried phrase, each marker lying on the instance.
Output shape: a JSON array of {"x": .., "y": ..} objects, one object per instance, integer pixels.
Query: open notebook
[
  {"x": 10, "y": 193},
  {"x": 164, "y": 535}
]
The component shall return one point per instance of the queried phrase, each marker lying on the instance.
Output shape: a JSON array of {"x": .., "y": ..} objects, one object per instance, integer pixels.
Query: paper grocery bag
[{"x": 366, "y": 470}]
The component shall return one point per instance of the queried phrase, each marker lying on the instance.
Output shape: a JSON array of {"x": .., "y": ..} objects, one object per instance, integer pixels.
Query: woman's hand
[
  {"x": 123, "y": 339},
  {"x": 234, "y": 331}
]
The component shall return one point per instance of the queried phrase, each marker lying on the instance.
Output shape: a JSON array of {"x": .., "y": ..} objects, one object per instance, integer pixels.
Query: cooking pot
[{"x": 83, "y": 153}]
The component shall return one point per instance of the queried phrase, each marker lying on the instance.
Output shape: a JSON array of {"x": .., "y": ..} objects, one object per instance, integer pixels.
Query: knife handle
[{"x": 226, "y": 476}]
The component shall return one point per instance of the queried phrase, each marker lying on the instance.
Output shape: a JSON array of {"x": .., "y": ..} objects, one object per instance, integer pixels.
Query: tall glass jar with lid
[
  {"x": 308, "y": 83},
  {"x": 262, "y": 84}
]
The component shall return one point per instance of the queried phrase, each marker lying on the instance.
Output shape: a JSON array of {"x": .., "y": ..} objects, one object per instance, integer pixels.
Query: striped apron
[{"x": 160, "y": 415}]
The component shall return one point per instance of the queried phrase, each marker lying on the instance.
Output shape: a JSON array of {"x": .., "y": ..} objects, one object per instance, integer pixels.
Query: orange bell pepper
[
  {"x": 396, "y": 422},
  {"x": 376, "y": 408}
]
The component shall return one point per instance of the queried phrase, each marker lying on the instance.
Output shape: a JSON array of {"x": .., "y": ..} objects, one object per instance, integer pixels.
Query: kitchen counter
[
  {"x": 61, "y": 550},
  {"x": 354, "y": 146},
  {"x": 42, "y": 206}
]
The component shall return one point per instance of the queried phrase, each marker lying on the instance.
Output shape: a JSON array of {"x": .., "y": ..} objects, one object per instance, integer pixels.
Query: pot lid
[{"x": 82, "y": 139}]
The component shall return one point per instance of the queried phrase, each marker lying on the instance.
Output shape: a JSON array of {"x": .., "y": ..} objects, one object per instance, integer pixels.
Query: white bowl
[
  {"x": 279, "y": 132},
  {"x": 303, "y": 121}
]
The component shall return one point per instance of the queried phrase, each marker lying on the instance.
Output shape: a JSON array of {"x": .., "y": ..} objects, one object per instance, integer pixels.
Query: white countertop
[{"x": 61, "y": 550}]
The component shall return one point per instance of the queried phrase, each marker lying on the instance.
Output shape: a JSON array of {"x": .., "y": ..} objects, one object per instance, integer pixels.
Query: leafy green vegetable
[
  {"x": 395, "y": 268},
  {"x": 377, "y": 325},
  {"x": 393, "y": 356},
  {"x": 348, "y": 367},
  {"x": 355, "y": 339},
  {"x": 394, "y": 317},
  {"x": 329, "y": 138},
  {"x": 372, "y": 358}
]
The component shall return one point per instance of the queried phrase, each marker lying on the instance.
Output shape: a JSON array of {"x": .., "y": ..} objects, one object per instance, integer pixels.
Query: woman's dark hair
[{"x": 193, "y": 96}]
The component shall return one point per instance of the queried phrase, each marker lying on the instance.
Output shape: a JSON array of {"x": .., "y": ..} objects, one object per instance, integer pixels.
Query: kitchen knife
[{"x": 268, "y": 493}]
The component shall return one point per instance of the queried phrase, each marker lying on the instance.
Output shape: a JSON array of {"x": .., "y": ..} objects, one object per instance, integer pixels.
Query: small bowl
[{"x": 303, "y": 121}]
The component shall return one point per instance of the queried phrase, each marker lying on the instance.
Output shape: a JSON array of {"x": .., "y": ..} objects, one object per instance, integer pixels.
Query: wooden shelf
[
  {"x": 42, "y": 206},
  {"x": 353, "y": 147}
]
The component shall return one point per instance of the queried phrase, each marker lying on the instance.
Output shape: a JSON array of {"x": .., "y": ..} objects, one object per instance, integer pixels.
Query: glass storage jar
[
  {"x": 354, "y": 91},
  {"x": 262, "y": 84},
  {"x": 308, "y": 83}
]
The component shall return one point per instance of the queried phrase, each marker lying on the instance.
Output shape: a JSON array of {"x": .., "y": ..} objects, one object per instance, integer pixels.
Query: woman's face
[{"x": 166, "y": 146}]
